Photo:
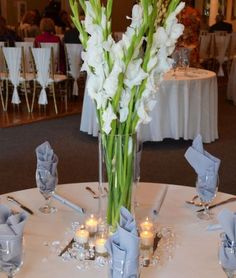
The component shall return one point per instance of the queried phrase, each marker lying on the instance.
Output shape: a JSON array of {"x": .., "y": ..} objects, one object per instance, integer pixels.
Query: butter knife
[
  {"x": 232, "y": 199},
  {"x": 13, "y": 200}
]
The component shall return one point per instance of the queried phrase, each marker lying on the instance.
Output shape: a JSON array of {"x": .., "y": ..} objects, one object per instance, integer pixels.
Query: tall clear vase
[{"x": 119, "y": 172}]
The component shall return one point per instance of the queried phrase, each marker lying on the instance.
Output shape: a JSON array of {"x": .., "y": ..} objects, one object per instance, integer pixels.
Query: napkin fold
[
  {"x": 123, "y": 247},
  {"x": 46, "y": 171},
  {"x": 11, "y": 233},
  {"x": 227, "y": 252},
  {"x": 206, "y": 166}
]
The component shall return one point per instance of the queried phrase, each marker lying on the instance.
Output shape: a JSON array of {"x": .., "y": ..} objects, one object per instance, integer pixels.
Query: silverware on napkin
[
  {"x": 13, "y": 200},
  {"x": 232, "y": 199}
]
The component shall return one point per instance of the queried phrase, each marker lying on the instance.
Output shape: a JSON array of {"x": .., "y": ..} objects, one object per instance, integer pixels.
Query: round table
[
  {"x": 196, "y": 250},
  {"x": 187, "y": 105}
]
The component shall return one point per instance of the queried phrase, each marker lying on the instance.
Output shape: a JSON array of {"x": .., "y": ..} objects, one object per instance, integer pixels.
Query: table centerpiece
[{"x": 123, "y": 79}]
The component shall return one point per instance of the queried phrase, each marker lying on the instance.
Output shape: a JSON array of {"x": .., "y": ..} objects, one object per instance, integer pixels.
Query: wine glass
[
  {"x": 11, "y": 255},
  {"x": 227, "y": 255},
  {"x": 206, "y": 186},
  {"x": 46, "y": 184}
]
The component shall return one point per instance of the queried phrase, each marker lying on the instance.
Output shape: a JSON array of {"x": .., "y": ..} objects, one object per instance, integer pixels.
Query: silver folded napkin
[
  {"x": 123, "y": 247},
  {"x": 206, "y": 166},
  {"x": 46, "y": 172},
  {"x": 11, "y": 233},
  {"x": 227, "y": 252}
]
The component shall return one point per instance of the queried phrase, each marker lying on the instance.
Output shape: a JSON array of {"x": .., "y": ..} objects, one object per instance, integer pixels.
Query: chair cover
[
  {"x": 13, "y": 59},
  {"x": 74, "y": 59},
  {"x": 221, "y": 46},
  {"x": 26, "y": 46},
  {"x": 42, "y": 61},
  {"x": 55, "y": 47},
  {"x": 205, "y": 45}
]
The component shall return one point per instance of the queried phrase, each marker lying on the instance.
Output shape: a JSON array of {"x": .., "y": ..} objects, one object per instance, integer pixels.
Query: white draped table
[
  {"x": 186, "y": 106},
  {"x": 195, "y": 255}
]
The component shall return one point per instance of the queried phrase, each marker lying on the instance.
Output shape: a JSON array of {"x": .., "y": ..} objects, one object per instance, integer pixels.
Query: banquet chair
[
  {"x": 221, "y": 44},
  {"x": 15, "y": 75},
  {"x": 28, "y": 61},
  {"x": 46, "y": 78},
  {"x": 206, "y": 47},
  {"x": 56, "y": 53},
  {"x": 73, "y": 64}
]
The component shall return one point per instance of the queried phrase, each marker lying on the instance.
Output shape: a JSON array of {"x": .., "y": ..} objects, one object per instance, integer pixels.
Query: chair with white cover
[
  {"x": 56, "y": 53},
  {"x": 44, "y": 75},
  {"x": 232, "y": 50},
  {"x": 221, "y": 44},
  {"x": 15, "y": 74},
  {"x": 28, "y": 61},
  {"x": 73, "y": 62},
  {"x": 206, "y": 46}
]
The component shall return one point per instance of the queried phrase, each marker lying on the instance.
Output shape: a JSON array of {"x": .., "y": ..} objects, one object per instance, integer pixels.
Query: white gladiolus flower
[
  {"x": 107, "y": 117},
  {"x": 134, "y": 74},
  {"x": 108, "y": 44},
  {"x": 137, "y": 16},
  {"x": 124, "y": 112},
  {"x": 111, "y": 83},
  {"x": 104, "y": 18},
  {"x": 142, "y": 113}
]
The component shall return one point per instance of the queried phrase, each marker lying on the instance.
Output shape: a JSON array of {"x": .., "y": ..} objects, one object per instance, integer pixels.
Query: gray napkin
[
  {"x": 46, "y": 172},
  {"x": 11, "y": 233},
  {"x": 123, "y": 247},
  {"x": 227, "y": 252},
  {"x": 206, "y": 166}
]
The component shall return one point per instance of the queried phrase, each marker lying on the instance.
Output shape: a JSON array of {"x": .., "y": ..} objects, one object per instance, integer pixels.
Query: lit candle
[
  {"x": 147, "y": 225},
  {"x": 147, "y": 238},
  {"x": 100, "y": 245},
  {"x": 91, "y": 225},
  {"x": 81, "y": 236}
]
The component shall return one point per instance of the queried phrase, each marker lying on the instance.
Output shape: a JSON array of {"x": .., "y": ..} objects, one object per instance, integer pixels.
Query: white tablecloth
[
  {"x": 186, "y": 106},
  {"x": 194, "y": 256},
  {"x": 231, "y": 88}
]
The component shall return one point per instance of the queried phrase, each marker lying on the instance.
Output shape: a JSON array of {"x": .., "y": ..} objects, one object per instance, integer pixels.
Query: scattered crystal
[{"x": 66, "y": 257}]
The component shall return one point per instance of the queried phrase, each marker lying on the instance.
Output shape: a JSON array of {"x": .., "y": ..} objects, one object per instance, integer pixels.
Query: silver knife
[
  {"x": 12, "y": 199},
  {"x": 232, "y": 199}
]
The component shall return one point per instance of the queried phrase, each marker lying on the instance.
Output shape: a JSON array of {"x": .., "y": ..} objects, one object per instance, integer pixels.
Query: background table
[
  {"x": 186, "y": 106},
  {"x": 195, "y": 256}
]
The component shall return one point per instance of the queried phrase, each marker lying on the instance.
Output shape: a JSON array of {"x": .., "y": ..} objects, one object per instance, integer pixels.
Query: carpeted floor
[{"x": 77, "y": 151}]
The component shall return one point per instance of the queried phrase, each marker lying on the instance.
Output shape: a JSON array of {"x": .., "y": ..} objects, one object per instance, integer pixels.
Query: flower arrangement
[{"x": 123, "y": 79}]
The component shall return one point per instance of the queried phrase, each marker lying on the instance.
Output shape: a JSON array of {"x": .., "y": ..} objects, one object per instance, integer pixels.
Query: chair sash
[
  {"x": 74, "y": 59},
  {"x": 13, "y": 57},
  {"x": 42, "y": 57}
]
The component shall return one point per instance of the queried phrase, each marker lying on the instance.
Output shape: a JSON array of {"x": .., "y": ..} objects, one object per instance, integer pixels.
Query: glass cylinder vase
[{"x": 119, "y": 172}]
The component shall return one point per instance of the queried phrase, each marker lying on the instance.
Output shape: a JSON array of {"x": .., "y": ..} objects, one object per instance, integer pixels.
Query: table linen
[
  {"x": 195, "y": 254},
  {"x": 187, "y": 105}
]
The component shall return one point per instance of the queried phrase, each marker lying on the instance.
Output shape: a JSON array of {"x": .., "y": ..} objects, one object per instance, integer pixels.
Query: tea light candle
[
  {"x": 147, "y": 225},
  {"x": 147, "y": 238},
  {"x": 81, "y": 236},
  {"x": 100, "y": 245},
  {"x": 91, "y": 224}
]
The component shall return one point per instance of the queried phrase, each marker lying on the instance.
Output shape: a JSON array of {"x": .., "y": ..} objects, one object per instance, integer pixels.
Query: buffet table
[
  {"x": 187, "y": 105},
  {"x": 195, "y": 254}
]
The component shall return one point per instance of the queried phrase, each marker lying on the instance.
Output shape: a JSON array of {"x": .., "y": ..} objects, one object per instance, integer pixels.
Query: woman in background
[{"x": 47, "y": 28}]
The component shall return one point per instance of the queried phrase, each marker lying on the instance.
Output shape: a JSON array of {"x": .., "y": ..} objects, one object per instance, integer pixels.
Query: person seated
[
  {"x": 47, "y": 28},
  {"x": 221, "y": 25},
  {"x": 7, "y": 35},
  {"x": 72, "y": 36},
  {"x": 28, "y": 26},
  {"x": 64, "y": 21}
]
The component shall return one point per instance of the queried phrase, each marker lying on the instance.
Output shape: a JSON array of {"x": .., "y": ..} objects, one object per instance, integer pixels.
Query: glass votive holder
[
  {"x": 147, "y": 239},
  {"x": 146, "y": 225},
  {"x": 81, "y": 236},
  {"x": 100, "y": 242},
  {"x": 91, "y": 225}
]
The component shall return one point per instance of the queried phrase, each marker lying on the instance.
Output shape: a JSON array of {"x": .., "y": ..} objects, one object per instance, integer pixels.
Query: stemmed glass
[
  {"x": 11, "y": 256},
  {"x": 206, "y": 194},
  {"x": 227, "y": 255},
  {"x": 46, "y": 184}
]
